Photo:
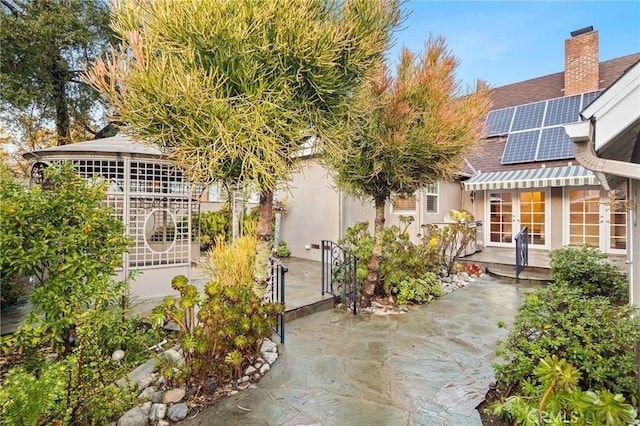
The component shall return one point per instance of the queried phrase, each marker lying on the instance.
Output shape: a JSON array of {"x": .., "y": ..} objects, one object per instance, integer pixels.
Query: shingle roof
[
  {"x": 487, "y": 157},
  {"x": 552, "y": 85}
]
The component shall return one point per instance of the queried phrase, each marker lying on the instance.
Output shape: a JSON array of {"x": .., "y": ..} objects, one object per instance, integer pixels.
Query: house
[
  {"x": 607, "y": 142},
  {"x": 523, "y": 174},
  {"x": 525, "y": 171},
  {"x": 316, "y": 210}
]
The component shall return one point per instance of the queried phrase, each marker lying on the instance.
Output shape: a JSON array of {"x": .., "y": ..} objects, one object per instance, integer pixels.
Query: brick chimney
[{"x": 581, "y": 67}]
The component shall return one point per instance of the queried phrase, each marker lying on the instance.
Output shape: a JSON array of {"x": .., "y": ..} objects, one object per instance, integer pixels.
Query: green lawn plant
[
  {"x": 222, "y": 328},
  {"x": 554, "y": 397}
]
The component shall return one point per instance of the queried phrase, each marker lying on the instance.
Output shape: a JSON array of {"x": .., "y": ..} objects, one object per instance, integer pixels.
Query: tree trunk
[
  {"x": 59, "y": 75},
  {"x": 376, "y": 253},
  {"x": 263, "y": 233}
]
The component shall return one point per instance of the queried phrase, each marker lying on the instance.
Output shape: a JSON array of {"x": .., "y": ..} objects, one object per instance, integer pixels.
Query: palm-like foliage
[
  {"x": 416, "y": 131},
  {"x": 230, "y": 89}
]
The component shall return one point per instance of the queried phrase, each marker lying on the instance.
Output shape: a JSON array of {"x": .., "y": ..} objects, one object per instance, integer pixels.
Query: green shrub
[
  {"x": 587, "y": 269},
  {"x": 359, "y": 241},
  {"x": 78, "y": 389},
  {"x": 69, "y": 241},
  {"x": 404, "y": 265},
  {"x": 213, "y": 224},
  {"x": 12, "y": 291},
  {"x": 283, "y": 250},
  {"x": 418, "y": 290},
  {"x": 27, "y": 399},
  {"x": 232, "y": 319},
  {"x": 591, "y": 333},
  {"x": 554, "y": 397}
]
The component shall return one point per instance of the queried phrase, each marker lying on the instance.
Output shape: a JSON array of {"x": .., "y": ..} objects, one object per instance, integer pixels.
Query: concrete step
[
  {"x": 528, "y": 276},
  {"x": 311, "y": 308}
]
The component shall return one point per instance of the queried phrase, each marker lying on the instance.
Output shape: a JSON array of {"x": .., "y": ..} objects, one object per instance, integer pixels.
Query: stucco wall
[{"x": 313, "y": 208}]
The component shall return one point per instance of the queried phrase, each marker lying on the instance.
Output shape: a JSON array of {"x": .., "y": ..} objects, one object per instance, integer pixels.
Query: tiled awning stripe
[{"x": 532, "y": 178}]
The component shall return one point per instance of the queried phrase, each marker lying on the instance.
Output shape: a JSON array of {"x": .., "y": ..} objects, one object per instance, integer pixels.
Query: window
[
  {"x": 431, "y": 196},
  {"x": 403, "y": 204}
]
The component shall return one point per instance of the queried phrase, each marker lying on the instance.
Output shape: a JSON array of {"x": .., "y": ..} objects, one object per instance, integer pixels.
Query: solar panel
[
  {"x": 499, "y": 121},
  {"x": 521, "y": 147},
  {"x": 528, "y": 116},
  {"x": 554, "y": 144},
  {"x": 562, "y": 110},
  {"x": 537, "y": 129},
  {"x": 587, "y": 98}
]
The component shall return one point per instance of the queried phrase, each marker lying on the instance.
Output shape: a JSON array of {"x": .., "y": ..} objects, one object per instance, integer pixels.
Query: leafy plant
[
  {"x": 231, "y": 321},
  {"x": 27, "y": 399},
  {"x": 12, "y": 290},
  {"x": 214, "y": 224},
  {"x": 418, "y": 290},
  {"x": 282, "y": 250},
  {"x": 405, "y": 268},
  {"x": 554, "y": 397},
  {"x": 69, "y": 241},
  {"x": 451, "y": 240},
  {"x": 587, "y": 268},
  {"x": 588, "y": 332},
  {"x": 78, "y": 389}
]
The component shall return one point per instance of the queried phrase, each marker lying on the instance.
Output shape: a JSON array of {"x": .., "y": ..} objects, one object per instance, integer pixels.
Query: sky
[{"x": 504, "y": 42}]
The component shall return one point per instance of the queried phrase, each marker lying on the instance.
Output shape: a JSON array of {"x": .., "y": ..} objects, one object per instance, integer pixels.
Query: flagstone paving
[{"x": 430, "y": 366}]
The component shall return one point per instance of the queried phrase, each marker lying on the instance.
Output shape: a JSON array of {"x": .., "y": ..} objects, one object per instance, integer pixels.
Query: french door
[
  {"x": 512, "y": 210},
  {"x": 597, "y": 218}
]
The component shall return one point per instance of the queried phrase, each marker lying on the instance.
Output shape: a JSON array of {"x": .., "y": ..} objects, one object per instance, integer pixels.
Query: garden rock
[
  {"x": 146, "y": 407},
  {"x": 268, "y": 346},
  {"x": 158, "y": 412},
  {"x": 211, "y": 385},
  {"x": 173, "y": 395},
  {"x": 250, "y": 370},
  {"x": 156, "y": 396},
  {"x": 117, "y": 355},
  {"x": 133, "y": 417},
  {"x": 146, "y": 380},
  {"x": 178, "y": 412},
  {"x": 174, "y": 357},
  {"x": 147, "y": 392},
  {"x": 270, "y": 357},
  {"x": 264, "y": 368}
]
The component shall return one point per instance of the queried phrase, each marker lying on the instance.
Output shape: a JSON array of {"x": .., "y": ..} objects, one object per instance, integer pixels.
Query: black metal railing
[
  {"x": 339, "y": 274},
  {"x": 522, "y": 250},
  {"x": 275, "y": 287}
]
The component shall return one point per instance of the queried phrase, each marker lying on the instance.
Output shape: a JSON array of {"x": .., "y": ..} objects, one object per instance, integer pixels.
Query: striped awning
[{"x": 532, "y": 178}]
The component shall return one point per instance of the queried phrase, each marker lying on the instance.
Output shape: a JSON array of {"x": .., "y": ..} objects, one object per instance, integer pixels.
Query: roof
[
  {"x": 541, "y": 177},
  {"x": 487, "y": 158},
  {"x": 552, "y": 85},
  {"x": 118, "y": 145}
]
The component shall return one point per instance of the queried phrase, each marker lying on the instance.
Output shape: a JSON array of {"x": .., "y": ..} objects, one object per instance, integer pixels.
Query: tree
[
  {"x": 44, "y": 44},
  {"x": 230, "y": 90},
  {"x": 417, "y": 130}
]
